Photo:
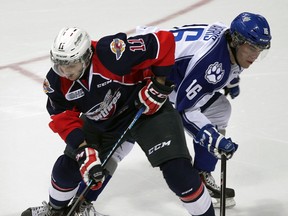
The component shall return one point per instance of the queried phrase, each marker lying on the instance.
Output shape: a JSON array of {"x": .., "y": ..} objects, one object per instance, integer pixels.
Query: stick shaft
[{"x": 223, "y": 186}]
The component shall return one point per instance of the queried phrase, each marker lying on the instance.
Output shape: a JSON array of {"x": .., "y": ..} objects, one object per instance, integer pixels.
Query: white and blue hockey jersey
[{"x": 202, "y": 67}]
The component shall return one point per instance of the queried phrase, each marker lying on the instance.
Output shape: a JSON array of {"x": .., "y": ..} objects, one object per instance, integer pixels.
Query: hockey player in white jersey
[{"x": 209, "y": 59}]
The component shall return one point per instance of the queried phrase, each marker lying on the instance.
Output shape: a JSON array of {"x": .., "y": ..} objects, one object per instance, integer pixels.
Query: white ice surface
[{"x": 259, "y": 169}]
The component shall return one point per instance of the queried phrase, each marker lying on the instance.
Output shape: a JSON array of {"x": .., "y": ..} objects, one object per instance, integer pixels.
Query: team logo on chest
[
  {"x": 214, "y": 73},
  {"x": 106, "y": 108},
  {"x": 117, "y": 46}
]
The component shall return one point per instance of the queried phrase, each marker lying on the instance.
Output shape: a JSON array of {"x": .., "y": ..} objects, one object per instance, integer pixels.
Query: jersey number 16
[{"x": 193, "y": 90}]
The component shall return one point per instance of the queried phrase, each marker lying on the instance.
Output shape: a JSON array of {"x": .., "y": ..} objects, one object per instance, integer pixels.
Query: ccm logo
[
  {"x": 158, "y": 146},
  {"x": 154, "y": 92}
]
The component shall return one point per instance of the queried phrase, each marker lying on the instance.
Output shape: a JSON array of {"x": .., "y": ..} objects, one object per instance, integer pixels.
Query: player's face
[
  {"x": 71, "y": 71},
  {"x": 247, "y": 53}
]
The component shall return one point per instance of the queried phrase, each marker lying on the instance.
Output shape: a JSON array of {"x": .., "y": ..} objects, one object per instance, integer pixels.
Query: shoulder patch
[
  {"x": 117, "y": 46},
  {"x": 46, "y": 87}
]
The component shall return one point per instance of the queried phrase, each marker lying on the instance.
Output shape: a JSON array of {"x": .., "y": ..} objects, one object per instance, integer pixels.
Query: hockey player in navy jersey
[
  {"x": 209, "y": 59},
  {"x": 94, "y": 90}
]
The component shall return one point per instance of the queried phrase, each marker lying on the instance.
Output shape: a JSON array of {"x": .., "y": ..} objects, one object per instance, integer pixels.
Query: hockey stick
[
  {"x": 223, "y": 185},
  {"x": 116, "y": 145}
]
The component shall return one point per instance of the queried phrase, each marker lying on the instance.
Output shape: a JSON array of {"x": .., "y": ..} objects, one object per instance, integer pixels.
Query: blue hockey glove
[
  {"x": 216, "y": 143},
  {"x": 233, "y": 88}
]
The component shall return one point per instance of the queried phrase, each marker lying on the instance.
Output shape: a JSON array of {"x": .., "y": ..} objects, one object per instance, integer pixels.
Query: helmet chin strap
[
  {"x": 82, "y": 73},
  {"x": 234, "y": 50},
  {"x": 86, "y": 63},
  {"x": 85, "y": 70}
]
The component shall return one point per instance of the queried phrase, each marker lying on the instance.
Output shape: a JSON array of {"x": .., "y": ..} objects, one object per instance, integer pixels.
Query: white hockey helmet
[{"x": 71, "y": 45}]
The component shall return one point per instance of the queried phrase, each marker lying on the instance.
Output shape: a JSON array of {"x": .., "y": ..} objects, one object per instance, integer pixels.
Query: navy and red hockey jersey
[{"x": 107, "y": 92}]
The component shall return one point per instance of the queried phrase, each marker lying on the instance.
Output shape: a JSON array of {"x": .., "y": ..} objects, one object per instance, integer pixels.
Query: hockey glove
[
  {"x": 90, "y": 166},
  {"x": 153, "y": 95},
  {"x": 215, "y": 142},
  {"x": 233, "y": 88}
]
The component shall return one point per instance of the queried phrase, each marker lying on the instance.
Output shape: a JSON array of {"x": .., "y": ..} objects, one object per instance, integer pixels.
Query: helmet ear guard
[{"x": 236, "y": 39}]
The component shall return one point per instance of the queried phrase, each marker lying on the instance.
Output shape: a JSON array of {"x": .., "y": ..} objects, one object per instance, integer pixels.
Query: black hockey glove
[
  {"x": 90, "y": 166},
  {"x": 233, "y": 88},
  {"x": 153, "y": 95},
  {"x": 216, "y": 143}
]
